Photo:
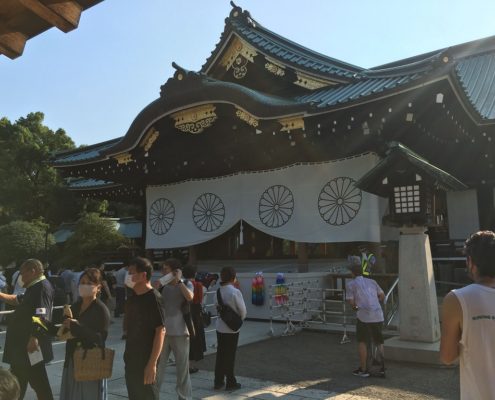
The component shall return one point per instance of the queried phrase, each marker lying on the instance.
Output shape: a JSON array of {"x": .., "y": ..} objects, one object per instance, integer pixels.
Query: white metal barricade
[
  {"x": 7, "y": 312},
  {"x": 288, "y": 300},
  {"x": 314, "y": 305},
  {"x": 325, "y": 303}
]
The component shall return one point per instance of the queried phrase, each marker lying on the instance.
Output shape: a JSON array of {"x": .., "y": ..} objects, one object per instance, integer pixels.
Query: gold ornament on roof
[
  {"x": 149, "y": 139},
  {"x": 238, "y": 54},
  {"x": 291, "y": 123},
  {"x": 247, "y": 118},
  {"x": 123, "y": 158},
  {"x": 310, "y": 82},
  {"x": 195, "y": 120},
  {"x": 274, "y": 67}
]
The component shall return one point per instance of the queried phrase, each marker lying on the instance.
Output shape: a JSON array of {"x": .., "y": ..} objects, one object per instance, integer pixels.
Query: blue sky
[{"x": 93, "y": 81}]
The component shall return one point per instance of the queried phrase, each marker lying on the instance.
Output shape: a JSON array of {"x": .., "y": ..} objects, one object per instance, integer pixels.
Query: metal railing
[
  {"x": 7, "y": 312},
  {"x": 391, "y": 303}
]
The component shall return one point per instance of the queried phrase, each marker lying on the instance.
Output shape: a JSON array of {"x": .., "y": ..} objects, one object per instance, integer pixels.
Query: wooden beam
[
  {"x": 12, "y": 43},
  {"x": 62, "y": 14},
  {"x": 70, "y": 10}
]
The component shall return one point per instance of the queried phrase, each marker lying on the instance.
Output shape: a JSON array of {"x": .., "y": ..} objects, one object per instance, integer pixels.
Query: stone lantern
[{"x": 410, "y": 183}]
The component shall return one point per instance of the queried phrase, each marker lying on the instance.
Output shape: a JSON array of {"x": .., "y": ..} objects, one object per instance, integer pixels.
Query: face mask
[
  {"x": 20, "y": 282},
  {"x": 85, "y": 290},
  {"x": 166, "y": 279},
  {"x": 128, "y": 281}
]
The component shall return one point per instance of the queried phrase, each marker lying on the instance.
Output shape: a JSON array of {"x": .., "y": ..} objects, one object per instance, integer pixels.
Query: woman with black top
[
  {"x": 198, "y": 341},
  {"x": 89, "y": 327}
]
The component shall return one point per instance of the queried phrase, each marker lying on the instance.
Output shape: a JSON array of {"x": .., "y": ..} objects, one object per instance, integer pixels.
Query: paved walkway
[
  {"x": 309, "y": 365},
  {"x": 202, "y": 381}
]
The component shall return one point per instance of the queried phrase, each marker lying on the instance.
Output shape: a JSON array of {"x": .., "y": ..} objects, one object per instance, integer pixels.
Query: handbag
[
  {"x": 205, "y": 317},
  {"x": 228, "y": 315},
  {"x": 93, "y": 364},
  {"x": 186, "y": 314}
]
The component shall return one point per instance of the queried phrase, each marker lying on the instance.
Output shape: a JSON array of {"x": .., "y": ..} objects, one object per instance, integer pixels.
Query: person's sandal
[{"x": 193, "y": 370}]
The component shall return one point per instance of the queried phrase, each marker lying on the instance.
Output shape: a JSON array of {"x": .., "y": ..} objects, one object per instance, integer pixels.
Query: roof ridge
[
  {"x": 239, "y": 19},
  {"x": 255, "y": 24}
]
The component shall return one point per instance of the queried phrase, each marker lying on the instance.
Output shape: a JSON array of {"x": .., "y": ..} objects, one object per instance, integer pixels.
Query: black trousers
[
  {"x": 137, "y": 390},
  {"x": 36, "y": 376},
  {"x": 224, "y": 365},
  {"x": 119, "y": 301}
]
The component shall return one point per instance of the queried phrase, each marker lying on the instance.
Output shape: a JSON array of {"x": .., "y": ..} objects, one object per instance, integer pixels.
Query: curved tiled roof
[
  {"x": 286, "y": 51},
  {"x": 477, "y": 77},
  {"x": 211, "y": 89},
  {"x": 84, "y": 154},
  {"x": 371, "y": 181},
  {"x": 356, "y": 91},
  {"x": 82, "y": 183},
  {"x": 373, "y": 82}
]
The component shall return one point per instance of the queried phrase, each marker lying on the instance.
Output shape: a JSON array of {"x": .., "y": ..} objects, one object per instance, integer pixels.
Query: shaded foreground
[{"x": 318, "y": 361}]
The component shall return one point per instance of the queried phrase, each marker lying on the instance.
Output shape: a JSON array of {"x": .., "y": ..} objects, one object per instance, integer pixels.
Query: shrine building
[{"x": 258, "y": 154}]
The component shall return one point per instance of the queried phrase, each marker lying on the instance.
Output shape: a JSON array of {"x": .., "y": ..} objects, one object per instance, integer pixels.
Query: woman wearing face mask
[{"x": 89, "y": 327}]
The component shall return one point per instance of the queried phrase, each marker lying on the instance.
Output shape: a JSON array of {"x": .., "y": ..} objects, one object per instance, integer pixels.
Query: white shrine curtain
[{"x": 310, "y": 202}]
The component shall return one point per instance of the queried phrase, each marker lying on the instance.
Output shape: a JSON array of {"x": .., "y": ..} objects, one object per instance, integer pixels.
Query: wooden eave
[{"x": 20, "y": 20}]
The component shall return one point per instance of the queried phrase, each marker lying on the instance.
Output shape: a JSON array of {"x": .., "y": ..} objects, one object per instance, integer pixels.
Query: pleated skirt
[{"x": 73, "y": 390}]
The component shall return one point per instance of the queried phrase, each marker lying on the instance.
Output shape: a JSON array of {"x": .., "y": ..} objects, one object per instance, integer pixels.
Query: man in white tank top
[{"x": 468, "y": 321}]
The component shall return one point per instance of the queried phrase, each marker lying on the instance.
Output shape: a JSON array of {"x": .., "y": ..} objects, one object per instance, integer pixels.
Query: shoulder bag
[{"x": 228, "y": 315}]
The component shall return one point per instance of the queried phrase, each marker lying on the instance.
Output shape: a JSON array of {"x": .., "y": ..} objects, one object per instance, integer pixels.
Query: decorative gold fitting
[
  {"x": 274, "y": 67},
  {"x": 310, "y": 82},
  {"x": 291, "y": 123},
  {"x": 195, "y": 120},
  {"x": 238, "y": 54},
  {"x": 247, "y": 118},
  {"x": 123, "y": 158},
  {"x": 149, "y": 139}
]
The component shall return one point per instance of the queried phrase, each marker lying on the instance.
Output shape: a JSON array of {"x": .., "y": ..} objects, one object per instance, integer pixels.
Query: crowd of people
[
  {"x": 166, "y": 318},
  {"x": 159, "y": 320}
]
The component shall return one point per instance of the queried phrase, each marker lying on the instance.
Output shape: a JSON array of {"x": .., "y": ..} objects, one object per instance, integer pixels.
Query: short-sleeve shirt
[
  {"x": 173, "y": 300},
  {"x": 364, "y": 292},
  {"x": 36, "y": 301},
  {"x": 144, "y": 314}
]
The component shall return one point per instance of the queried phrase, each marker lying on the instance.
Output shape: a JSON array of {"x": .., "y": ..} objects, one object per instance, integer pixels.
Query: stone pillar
[
  {"x": 418, "y": 305},
  {"x": 302, "y": 257}
]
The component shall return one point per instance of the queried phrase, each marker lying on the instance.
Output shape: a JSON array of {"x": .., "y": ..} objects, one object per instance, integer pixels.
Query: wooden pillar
[
  {"x": 302, "y": 257},
  {"x": 193, "y": 259}
]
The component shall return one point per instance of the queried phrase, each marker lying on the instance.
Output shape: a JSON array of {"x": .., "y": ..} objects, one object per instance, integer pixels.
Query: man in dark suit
[{"x": 26, "y": 338}]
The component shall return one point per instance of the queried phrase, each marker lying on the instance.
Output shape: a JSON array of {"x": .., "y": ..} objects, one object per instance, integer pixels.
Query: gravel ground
[{"x": 317, "y": 360}]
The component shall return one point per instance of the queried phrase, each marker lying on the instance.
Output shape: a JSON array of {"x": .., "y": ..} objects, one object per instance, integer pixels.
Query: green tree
[
  {"x": 20, "y": 240},
  {"x": 93, "y": 236},
  {"x": 31, "y": 188}
]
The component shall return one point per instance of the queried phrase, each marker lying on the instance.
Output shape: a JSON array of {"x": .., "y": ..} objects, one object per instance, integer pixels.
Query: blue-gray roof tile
[
  {"x": 477, "y": 77},
  {"x": 282, "y": 49},
  {"x": 89, "y": 183},
  {"x": 332, "y": 96},
  {"x": 84, "y": 154}
]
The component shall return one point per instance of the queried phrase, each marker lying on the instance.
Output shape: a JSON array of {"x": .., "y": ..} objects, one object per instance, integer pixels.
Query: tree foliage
[
  {"x": 20, "y": 240},
  {"x": 93, "y": 236},
  {"x": 31, "y": 188}
]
